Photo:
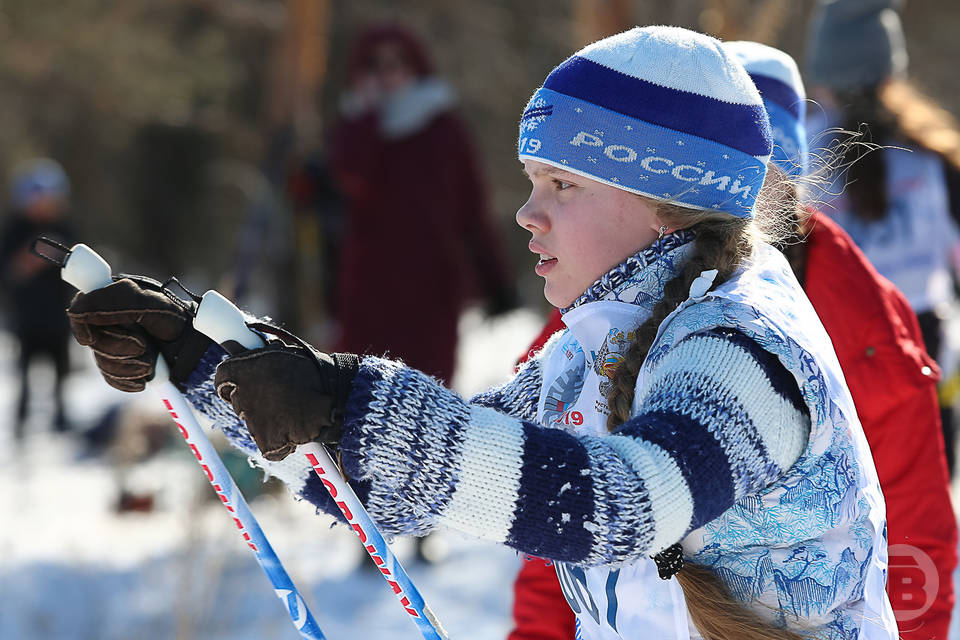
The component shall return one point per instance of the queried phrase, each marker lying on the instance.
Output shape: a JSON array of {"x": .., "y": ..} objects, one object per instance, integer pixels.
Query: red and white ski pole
[
  {"x": 85, "y": 270},
  {"x": 223, "y": 322}
]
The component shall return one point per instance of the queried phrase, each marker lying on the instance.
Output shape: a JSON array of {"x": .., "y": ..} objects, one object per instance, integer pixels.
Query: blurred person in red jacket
[
  {"x": 890, "y": 375},
  {"x": 899, "y": 203},
  {"x": 418, "y": 239}
]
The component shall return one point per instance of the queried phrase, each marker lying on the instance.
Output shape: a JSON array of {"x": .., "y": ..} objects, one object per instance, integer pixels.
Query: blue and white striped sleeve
[
  {"x": 512, "y": 398},
  {"x": 701, "y": 439},
  {"x": 200, "y": 392},
  {"x": 519, "y": 396}
]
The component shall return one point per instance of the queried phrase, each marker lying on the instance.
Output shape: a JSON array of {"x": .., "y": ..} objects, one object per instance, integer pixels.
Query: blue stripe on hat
[
  {"x": 637, "y": 156},
  {"x": 790, "y": 150},
  {"x": 699, "y": 455},
  {"x": 781, "y": 94},
  {"x": 738, "y": 126}
]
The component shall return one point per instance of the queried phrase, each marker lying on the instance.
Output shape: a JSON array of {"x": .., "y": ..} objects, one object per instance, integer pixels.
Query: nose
[{"x": 532, "y": 217}]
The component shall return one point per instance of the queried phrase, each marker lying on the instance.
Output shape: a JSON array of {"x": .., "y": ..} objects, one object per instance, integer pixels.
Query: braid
[{"x": 719, "y": 245}]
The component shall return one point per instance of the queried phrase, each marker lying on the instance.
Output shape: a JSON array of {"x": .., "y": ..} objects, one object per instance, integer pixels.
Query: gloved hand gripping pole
[{"x": 85, "y": 270}]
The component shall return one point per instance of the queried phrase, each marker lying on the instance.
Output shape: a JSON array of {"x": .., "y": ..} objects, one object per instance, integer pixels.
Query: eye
[{"x": 560, "y": 185}]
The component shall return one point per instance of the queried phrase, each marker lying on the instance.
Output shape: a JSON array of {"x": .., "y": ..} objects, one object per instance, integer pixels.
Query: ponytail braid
[{"x": 721, "y": 243}]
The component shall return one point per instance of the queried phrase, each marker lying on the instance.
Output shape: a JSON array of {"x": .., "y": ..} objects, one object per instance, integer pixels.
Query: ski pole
[
  {"x": 86, "y": 270},
  {"x": 223, "y": 322}
]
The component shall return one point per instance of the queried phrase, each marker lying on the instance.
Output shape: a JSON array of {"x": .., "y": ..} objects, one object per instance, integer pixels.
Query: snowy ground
[{"x": 74, "y": 569}]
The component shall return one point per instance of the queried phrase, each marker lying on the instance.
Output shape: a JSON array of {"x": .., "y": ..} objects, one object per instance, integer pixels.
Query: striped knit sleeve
[
  {"x": 702, "y": 438},
  {"x": 199, "y": 392},
  {"x": 516, "y": 397},
  {"x": 519, "y": 396}
]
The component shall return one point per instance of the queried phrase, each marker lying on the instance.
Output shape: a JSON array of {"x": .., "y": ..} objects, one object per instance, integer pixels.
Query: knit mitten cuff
[{"x": 399, "y": 429}]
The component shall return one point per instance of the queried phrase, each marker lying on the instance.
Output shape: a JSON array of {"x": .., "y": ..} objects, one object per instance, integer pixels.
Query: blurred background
[{"x": 224, "y": 142}]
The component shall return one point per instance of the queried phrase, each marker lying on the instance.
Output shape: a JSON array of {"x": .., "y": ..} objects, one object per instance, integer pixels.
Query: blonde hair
[
  {"x": 920, "y": 120},
  {"x": 722, "y": 242},
  {"x": 893, "y": 110}
]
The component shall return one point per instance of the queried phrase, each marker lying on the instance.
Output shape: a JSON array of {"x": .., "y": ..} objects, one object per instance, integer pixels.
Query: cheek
[
  {"x": 635, "y": 226},
  {"x": 593, "y": 254},
  {"x": 613, "y": 241}
]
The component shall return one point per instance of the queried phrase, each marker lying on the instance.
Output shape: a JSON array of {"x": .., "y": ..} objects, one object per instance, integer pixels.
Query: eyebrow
[{"x": 546, "y": 170}]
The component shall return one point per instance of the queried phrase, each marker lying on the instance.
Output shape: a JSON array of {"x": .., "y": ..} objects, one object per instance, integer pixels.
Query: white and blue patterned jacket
[{"x": 744, "y": 446}]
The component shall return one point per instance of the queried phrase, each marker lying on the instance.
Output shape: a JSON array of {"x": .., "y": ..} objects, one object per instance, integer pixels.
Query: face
[
  {"x": 581, "y": 229},
  {"x": 44, "y": 208},
  {"x": 388, "y": 69}
]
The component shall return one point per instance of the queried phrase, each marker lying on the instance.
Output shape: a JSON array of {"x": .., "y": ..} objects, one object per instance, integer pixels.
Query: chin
[{"x": 558, "y": 299}]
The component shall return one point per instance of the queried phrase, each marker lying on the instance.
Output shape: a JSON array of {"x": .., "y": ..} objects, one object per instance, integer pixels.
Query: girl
[
  {"x": 896, "y": 202},
  {"x": 891, "y": 378},
  {"x": 693, "y": 410}
]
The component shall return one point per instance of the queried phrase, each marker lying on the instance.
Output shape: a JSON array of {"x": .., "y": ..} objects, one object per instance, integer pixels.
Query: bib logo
[
  {"x": 607, "y": 360},
  {"x": 661, "y": 165}
]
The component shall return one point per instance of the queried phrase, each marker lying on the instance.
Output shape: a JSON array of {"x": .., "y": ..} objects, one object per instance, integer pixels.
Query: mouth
[{"x": 546, "y": 263}]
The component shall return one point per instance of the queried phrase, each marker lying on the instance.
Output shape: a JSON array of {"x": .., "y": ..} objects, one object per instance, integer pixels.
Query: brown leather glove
[
  {"x": 288, "y": 396},
  {"x": 130, "y": 322}
]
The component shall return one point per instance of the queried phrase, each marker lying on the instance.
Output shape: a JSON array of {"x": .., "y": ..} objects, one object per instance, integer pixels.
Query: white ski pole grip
[
  {"x": 221, "y": 321},
  {"x": 85, "y": 269}
]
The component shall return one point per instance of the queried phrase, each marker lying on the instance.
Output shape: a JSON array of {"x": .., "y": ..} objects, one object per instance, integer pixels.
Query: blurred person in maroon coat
[{"x": 418, "y": 241}]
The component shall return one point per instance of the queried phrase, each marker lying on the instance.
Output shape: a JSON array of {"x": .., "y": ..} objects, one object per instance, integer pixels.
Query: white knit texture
[
  {"x": 490, "y": 462},
  {"x": 783, "y": 429},
  {"x": 293, "y": 471},
  {"x": 678, "y": 59},
  {"x": 670, "y": 499},
  {"x": 762, "y": 60}
]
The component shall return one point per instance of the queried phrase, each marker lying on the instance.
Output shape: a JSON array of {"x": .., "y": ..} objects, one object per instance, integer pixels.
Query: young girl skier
[
  {"x": 692, "y": 412},
  {"x": 891, "y": 378}
]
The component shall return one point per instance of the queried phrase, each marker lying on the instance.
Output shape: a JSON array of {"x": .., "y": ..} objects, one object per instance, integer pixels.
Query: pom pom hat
[
  {"x": 660, "y": 111},
  {"x": 778, "y": 79}
]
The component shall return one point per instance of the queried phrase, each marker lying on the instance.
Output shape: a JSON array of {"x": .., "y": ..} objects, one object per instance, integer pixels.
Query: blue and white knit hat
[
  {"x": 660, "y": 111},
  {"x": 777, "y": 77}
]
